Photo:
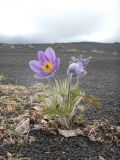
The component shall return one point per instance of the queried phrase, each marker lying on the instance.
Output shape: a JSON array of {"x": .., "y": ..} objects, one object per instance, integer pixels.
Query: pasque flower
[
  {"x": 77, "y": 68},
  {"x": 47, "y": 64}
]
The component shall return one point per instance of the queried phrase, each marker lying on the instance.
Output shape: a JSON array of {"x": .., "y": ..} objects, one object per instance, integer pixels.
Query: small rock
[
  {"x": 101, "y": 158},
  {"x": 23, "y": 127},
  {"x": 118, "y": 129},
  {"x": 47, "y": 152}
]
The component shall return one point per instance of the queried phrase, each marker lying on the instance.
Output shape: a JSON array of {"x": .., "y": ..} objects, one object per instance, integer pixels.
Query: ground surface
[{"x": 102, "y": 81}]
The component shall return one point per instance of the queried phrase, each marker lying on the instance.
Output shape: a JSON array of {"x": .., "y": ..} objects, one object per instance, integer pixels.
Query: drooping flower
[
  {"x": 47, "y": 64},
  {"x": 77, "y": 68}
]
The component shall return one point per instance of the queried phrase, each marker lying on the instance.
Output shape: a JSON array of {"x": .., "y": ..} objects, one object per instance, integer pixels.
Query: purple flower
[
  {"x": 76, "y": 69},
  {"x": 47, "y": 64},
  {"x": 77, "y": 66},
  {"x": 84, "y": 61}
]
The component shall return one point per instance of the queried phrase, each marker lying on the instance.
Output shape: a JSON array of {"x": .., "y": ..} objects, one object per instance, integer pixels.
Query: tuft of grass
[
  {"x": 92, "y": 101},
  {"x": 2, "y": 77},
  {"x": 97, "y": 51},
  {"x": 72, "y": 50}
]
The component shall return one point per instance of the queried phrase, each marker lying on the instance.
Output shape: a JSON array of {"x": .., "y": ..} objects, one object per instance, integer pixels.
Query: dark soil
[
  {"x": 102, "y": 81},
  {"x": 54, "y": 147}
]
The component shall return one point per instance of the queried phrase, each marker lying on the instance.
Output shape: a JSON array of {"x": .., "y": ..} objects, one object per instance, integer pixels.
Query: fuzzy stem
[
  {"x": 48, "y": 80},
  {"x": 69, "y": 81},
  {"x": 77, "y": 82},
  {"x": 57, "y": 80},
  {"x": 75, "y": 107}
]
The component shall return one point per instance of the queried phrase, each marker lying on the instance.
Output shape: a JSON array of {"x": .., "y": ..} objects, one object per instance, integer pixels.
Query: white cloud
[{"x": 59, "y": 20}]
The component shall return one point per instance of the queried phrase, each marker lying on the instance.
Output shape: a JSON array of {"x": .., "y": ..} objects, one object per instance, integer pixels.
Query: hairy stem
[
  {"x": 77, "y": 82},
  {"x": 69, "y": 82},
  {"x": 57, "y": 80}
]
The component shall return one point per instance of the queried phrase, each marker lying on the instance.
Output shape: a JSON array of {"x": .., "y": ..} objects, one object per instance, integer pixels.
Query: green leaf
[{"x": 75, "y": 92}]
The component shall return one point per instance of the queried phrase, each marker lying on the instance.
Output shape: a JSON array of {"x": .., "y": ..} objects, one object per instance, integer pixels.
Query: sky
[{"x": 50, "y": 21}]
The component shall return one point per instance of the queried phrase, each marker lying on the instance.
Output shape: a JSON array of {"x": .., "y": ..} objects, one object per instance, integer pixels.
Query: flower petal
[
  {"x": 41, "y": 56},
  {"x": 50, "y": 54},
  {"x": 75, "y": 68},
  {"x": 57, "y": 64},
  {"x": 40, "y": 75},
  {"x": 85, "y": 61},
  {"x": 35, "y": 66},
  {"x": 82, "y": 73},
  {"x": 43, "y": 76}
]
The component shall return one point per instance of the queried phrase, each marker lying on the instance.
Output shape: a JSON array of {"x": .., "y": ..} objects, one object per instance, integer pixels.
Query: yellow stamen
[{"x": 48, "y": 67}]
